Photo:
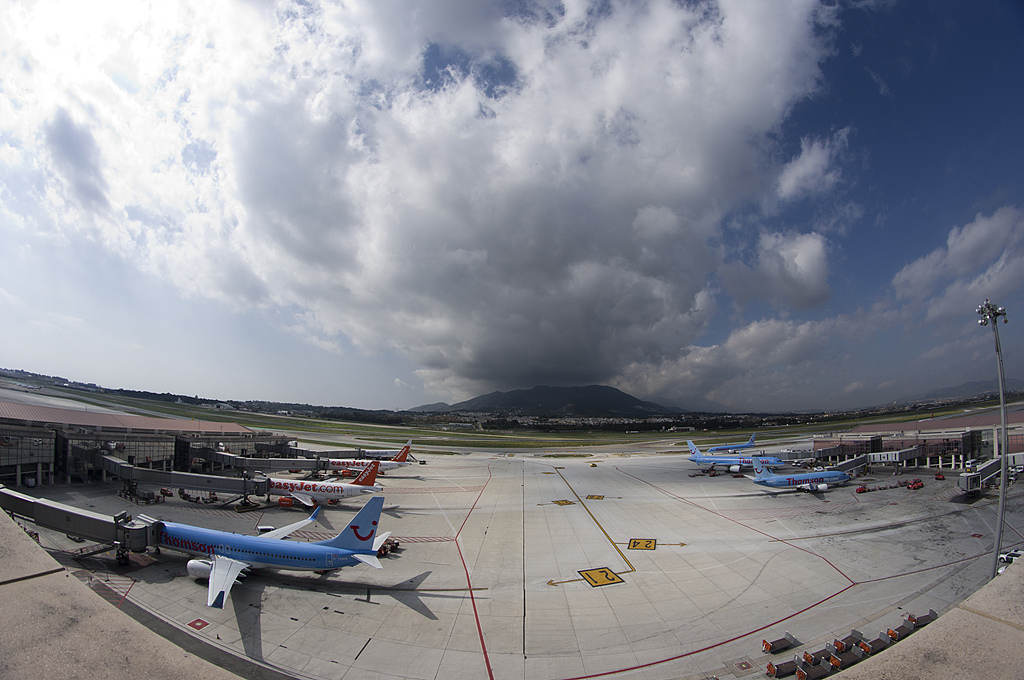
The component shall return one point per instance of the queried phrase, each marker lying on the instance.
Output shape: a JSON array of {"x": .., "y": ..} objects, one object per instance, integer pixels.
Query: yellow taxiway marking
[
  {"x": 642, "y": 544},
  {"x": 630, "y": 546},
  {"x": 603, "y": 576},
  {"x": 595, "y": 497},
  {"x": 600, "y": 577}
]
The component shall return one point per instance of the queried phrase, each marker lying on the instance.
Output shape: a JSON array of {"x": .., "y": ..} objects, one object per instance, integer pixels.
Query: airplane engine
[
  {"x": 734, "y": 469},
  {"x": 823, "y": 487},
  {"x": 199, "y": 568}
]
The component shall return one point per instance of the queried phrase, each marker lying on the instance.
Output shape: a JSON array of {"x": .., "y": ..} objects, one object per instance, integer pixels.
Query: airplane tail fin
[
  {"x": 369, "y": 474},
  {"x": 403, "y": 455},
  {"x": 751, "y": 442},
  {"x": 760, "y": 469},
  {"x": 694, "y": 451},
  {"x": 358, "y": 534}
]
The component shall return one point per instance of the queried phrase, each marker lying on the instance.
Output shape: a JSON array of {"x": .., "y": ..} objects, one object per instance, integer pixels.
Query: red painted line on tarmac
[
  {"x": 121, "y": 601},
  {"x": 469, "y": 582},
  {"x": 851, "y": 584},
  {"x": 775, "y": 623},
  {"x": 924, "y": 569},
  {"x": 709, "y": 647}
]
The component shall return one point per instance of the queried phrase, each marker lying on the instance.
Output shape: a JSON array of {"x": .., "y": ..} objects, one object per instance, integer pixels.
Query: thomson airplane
[
  {"x": 228, "y": 555},
  {"x": 400, "y": 460},
  {"x": 733, "y": 463},
  {"x": 734, "y": 447},
  {"x": 806, "y": 481},
  {"x": 309, "y": 493}
]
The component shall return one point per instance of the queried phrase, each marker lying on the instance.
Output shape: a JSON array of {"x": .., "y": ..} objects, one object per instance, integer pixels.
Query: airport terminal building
[
  {"x": 948, "y": 443},
  {"x": 41, "y": 445}
]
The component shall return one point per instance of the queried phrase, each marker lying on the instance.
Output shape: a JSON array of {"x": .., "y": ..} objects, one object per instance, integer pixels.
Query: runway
[{"x": 551, "y": 568}]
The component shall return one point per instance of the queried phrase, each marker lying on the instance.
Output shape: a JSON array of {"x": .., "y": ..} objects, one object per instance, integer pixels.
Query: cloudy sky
[{"x": 766, "y": 205}]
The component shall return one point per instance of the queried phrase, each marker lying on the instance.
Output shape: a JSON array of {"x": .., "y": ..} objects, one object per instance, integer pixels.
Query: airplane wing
[
  {"x": 222, "y": 576},
  {"x": 302, "y": 498},
  {"x": 284, "y": 531}
]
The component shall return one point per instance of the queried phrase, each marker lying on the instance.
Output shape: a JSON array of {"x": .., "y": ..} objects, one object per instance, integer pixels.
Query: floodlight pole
[{"x": 991, "y": 314}]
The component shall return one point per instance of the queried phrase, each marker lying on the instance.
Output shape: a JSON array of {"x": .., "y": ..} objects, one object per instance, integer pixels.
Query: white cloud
[
  {"x": 853, "y": 387},
  {"x": 982, "y": 259},
  {"x": 813, "y": 171},
  {"x": 9, "y": 299},
  {"x": 790, "y": 270},
  {"x": 770, "y": 361},
  {"x": 546, "y": 207}
]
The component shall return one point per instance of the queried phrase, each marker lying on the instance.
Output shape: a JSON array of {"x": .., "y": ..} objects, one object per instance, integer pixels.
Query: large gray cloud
[
  {"x": 507, "y": 194},
  {"x": 555, "y": 226}
]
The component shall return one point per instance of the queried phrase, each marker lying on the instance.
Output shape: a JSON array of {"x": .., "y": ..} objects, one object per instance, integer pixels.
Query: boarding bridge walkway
[
  {"x": 132, "y": 475},
  {"x": 117, "y": 531},
  {"x": 247, "y": 464},
  {"x": 879, "y": 458},
  {"x": 305, "y": 459},
  {"x": 972, "y": 480}
]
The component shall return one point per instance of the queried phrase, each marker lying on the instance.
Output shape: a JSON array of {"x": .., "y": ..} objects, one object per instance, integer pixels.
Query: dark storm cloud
[
  {"x": 502, "y": 193},
  {"x": 564, "y": 234},
  {"x": 77, "y": 158}
]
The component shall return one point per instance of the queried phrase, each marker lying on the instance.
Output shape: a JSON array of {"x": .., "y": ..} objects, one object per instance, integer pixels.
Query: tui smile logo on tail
[{"x": 355, "y": 530}]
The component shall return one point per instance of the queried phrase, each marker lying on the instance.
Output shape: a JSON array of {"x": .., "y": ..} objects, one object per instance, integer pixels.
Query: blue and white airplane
[
  {"x": 734, "y": 447},
  {"x": 228, "y": 555},
  {"x": 805, "y": 481},
  {"x": 733, "y": 463}
]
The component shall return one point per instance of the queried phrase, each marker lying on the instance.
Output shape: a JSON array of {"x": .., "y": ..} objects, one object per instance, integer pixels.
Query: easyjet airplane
[
  {"x": 309, "y": 493},
  {"x": 345, "y": 464}
]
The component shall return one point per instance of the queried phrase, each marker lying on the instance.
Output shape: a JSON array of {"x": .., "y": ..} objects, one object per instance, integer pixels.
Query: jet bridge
[
  {"x": 117, "y": 531},
  {"x": 131, "y": 475},
  {"x": 236, "y": 462},
  {"x": 972, "y": 480},
  {"x": 852, "y": 464},
  {"x": 901, "y": 456},
  {"x": 877, "y": 458}
]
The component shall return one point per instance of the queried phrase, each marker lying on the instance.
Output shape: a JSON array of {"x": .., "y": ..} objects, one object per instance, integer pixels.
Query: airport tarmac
[{"x": 543, "y": 568}]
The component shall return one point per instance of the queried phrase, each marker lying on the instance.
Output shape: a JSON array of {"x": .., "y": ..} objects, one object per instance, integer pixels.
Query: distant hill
[
  {"x": 436, "y": 407},
  {"x": 595, "y": 401},
  {"x": 977, "y": 388}
]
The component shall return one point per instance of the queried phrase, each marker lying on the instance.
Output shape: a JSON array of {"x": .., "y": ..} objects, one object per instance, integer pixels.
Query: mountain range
[
  {"x": 596, "y": 401},
  {"x": 600, "y": 401},
  {"x": 974, "y": 389}
]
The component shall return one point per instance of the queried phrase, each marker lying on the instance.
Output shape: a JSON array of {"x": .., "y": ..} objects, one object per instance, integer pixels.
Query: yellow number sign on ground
[
  {"x": 600, "y": 577},
  {"x": 643, "y": 544}
]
